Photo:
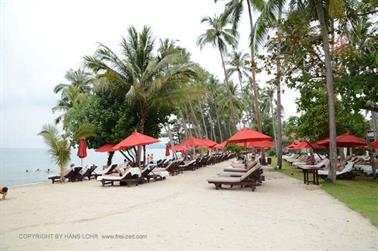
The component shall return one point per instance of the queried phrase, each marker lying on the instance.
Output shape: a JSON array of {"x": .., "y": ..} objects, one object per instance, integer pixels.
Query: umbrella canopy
[
  {"x": 304, "y": 145},
  {"x": 221, "y": 145},
  {"x": 260, "y": 144},
  {"x": 374, "y": 145},
  {"x": 135, "y": 139},
  {"x": 209, "y": 142},
  {"x": 82, "y": 150},
  {"x": 345, "y": 140},
  {"x": 105, "y": 148},
  {"x": 194, "y": 142},
  {"x": 167, "y": 146},
  {"x": 247, "y": 135},
  {"x": 179, "y": 148}
]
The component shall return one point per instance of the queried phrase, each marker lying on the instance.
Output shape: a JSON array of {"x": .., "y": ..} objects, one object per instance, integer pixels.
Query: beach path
[{"x": 183, "y": 212}]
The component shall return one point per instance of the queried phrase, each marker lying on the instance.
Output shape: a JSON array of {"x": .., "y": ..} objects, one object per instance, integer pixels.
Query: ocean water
[{"x": 15, "y": 161}]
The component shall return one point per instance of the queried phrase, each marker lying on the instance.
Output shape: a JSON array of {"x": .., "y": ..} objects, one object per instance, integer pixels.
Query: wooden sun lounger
[
  {"x": 247, "y": 180},
  {"x": 241, "y": 170},
  {"x": 126, "y": 178},
  {"x": 346, "y": 173},
  {"x": 72, "y": 175}
]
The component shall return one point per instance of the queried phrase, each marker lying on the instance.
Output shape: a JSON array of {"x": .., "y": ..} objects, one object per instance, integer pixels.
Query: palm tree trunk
[
  {"x": 110, "y": 157},
  {"x": 233, "y": 117},
  {"x": 219, "y": 126},
  {"x": 198, "y": 128},
  {"x": 254, "y": 85},
  {"x": 330, "y": 91},
  {"x": 203, "y": 119},
  {"x": 62, "y": 179},
  {"x": 279, "y": 107}
]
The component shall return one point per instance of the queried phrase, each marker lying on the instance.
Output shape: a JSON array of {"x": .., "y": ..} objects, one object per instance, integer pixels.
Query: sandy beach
[{"x": 183, "y": 212}]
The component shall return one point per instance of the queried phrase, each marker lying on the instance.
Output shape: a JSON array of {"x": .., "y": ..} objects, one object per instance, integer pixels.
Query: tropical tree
[
  {"x": 155, "y": 84},
  {"x": 79, "y": 83},
  {"x": 219, "y": 36},
  {"x": 233, "y": 12},
  {"x": 238, "y": 64},
  {"x": 60, "y": 144}
]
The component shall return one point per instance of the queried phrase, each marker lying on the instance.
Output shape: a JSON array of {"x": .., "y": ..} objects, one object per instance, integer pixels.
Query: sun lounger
[
  {"x": 73, "y": 174},
  {"x": 130, "y": 176},
  {"x": 258, "y": 175},
  {"x": 190, "y": 165},
  {"x": 323, "y": 163},
  {"x": 110, "y": 169},
  {"x": 247, "y": 180},
  {"x": 146, "y": 173},
  {"x": 346, "y": 173},
  {"x": 242, "y": 169}
]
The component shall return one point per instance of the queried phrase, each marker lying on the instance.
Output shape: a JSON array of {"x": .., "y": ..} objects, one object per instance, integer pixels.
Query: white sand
[{"x": 182, "y": 213}]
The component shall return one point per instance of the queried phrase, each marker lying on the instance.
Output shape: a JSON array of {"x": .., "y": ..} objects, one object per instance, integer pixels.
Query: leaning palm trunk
[
  {"x": 203, "y": 119},
  {"x": 233, "y": 117},
  {"x": 254, "y": 85},
  {"x": 330, "y": 92}
]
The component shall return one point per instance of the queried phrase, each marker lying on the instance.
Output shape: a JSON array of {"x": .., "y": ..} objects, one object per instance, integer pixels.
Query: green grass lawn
[{"x": 360, "y": 194}]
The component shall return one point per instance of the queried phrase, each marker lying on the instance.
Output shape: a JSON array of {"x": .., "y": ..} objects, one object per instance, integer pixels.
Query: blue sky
[{"x": 40, "y": 40}]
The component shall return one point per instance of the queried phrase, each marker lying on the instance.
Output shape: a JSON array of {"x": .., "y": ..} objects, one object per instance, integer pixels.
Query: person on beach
[{"x": 3, "y": 191}]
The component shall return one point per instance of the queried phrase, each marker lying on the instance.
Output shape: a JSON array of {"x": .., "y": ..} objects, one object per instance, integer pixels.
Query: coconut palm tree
[
  {"x": 238, "y": 63},
  {"x": 60, "y": 144},
  {"x": 59, "y": 147},
  {"x": 233, "y": 12},
  {"x": 70, "y": 95},
  {"x": 79, "y": 78},
  {"x": 271, "y": 16},
  {"x": 152, "y": 82},
  {"x": 219, "y": 36}
]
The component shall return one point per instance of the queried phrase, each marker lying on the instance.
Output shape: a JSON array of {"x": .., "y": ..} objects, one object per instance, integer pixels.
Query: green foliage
[
  {"x": 59, "y": 146},
  {"x": 233, "y": 148}
]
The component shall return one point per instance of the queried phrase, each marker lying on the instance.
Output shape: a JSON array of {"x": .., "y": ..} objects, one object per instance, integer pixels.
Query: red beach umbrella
[
  {"x": 221, "y": 145},
  {"x": 374, "y": 145},
  {"x": 345, "y": 140},
  {"x": 194, "y": 142},
  {"x": 179, "y": 148},
  {"x": 105, "y": 148},
  {"x": 247, "y": 135},
  {"x": 260, "y": 144},
  {"x": 135, "y": 139},
  {"x": 167, "y": 153},
  {"x": 209, "y": 142},
  {"x": 305, "y": 144},
  {"x": 82, "y": 150}
]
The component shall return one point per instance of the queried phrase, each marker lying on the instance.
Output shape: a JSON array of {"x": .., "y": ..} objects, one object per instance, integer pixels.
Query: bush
[{"x": 233, "y": 148}]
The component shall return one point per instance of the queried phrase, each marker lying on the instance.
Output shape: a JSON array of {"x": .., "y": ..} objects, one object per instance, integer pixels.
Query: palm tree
[
  {"x": 271, "y": 16},
  {"x": 233, "y": 11},
  {"x": 79, "y": 78},
  {"x": 70, "y": 95},
  {"x": 152, "y": 82},
  {"x": 219, "y": 36},
  {"x": 238, "y": 64},
  {"x": 60, "y": 145}
]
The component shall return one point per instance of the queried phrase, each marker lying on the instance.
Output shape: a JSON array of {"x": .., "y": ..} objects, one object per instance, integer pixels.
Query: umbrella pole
[
  {"x": 144, "y": 156},
  {"x": 81, "y": 161}
]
